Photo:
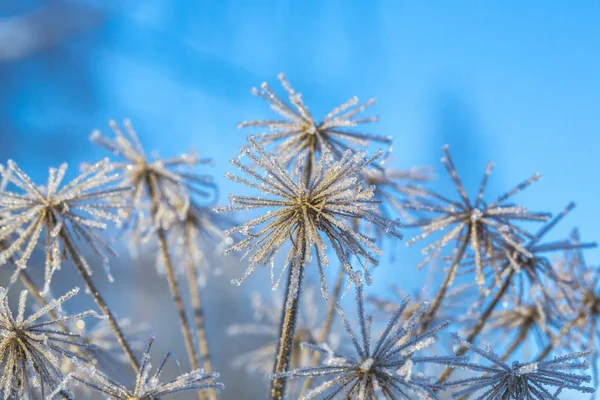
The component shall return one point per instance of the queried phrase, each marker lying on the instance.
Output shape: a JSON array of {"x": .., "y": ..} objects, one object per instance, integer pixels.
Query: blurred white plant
[{"x": 67, "y": 214}]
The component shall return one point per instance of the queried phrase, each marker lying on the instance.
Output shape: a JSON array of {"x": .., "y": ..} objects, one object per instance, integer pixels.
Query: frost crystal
[
  {"x": 304, "y": 210},
  {"x": 521, "y": 380},
  {"x": 149, "y": 387},
  {"x": 298, "y": 132},
  {"x": 382, "y": 371},
  {"x": 31, "y": 350},
  {"x": 70, "y": 214}
]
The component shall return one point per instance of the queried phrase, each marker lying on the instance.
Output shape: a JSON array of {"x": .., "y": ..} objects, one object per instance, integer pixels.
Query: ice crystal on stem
[
  {"x": 31, "y": 349},
  {"x": 304, "y": 210},
  {"x": 73, "y": 212},
  {"x": 299, "y": 132},
  {"x": 542, "y": 380},
  {"x": 148, "y": 386},
  {"x": 481, "y": 224},
  {"x": 380, "y": 371}
]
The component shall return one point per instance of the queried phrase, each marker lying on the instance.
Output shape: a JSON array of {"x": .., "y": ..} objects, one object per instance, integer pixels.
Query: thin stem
[
  {"x": 100, "y": 302},
  {"x": 437, "y": 302},
  {"x": 176, "y": 294},
  {"x": 481, "y": 321},
  {"x": 199, "y": 320},
  {"x": 171, "y": 276},
  {"x": 288, "y": 327},
  {"x": 327, "y": 324}
]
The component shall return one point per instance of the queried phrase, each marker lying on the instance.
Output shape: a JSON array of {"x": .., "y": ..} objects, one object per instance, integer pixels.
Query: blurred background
[{"x": 516, "y": 83}]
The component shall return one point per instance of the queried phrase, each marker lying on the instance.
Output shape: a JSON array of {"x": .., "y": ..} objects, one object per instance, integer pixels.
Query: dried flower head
[
  {"x": 67, "y": 214},
  {"x": 298, "y": 132},
  {"x": 304, "y": 210},
  {"x": 532, "y": 380},
  {"x": 382, "y": 371},
  {"x": 31, "y": 349},
  {"x": 149, "y": 387},
  {"x": 165, "y": 180},
  {"x": 483, "y": 225},
  {"x": 267, "y": 325},
  {"x": 535, "y": 267}
]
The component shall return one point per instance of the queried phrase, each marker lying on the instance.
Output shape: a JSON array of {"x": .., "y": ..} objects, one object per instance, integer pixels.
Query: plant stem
[
  {"x": 481, "y": 321},
  {"x": 100, "y": 302},
  {"x": 171, "y": 276},
  {"x": 327, "y": 324},
  {"x": 437, "y": 302},
  {"x": 288, "y": 326},
  {"x": 199, "y": 319},
  {"x": 176, "y": 294}
]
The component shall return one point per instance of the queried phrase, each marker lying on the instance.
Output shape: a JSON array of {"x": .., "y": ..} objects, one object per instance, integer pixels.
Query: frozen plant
[
  {"x": 32, "y": 348},
  {"x": 298, "y": 132},
  {"x": 380, "y": 371},
  {"x": 538, "y": 380}
]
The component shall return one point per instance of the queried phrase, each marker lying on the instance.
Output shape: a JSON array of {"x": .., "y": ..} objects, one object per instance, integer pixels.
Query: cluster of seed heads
[{"x": 319, "y": 195}]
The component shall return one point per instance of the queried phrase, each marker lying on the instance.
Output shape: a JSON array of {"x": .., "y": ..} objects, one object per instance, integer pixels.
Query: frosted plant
[
  {"x": 536, "y": 268},
  {"x": 543, "y": 380},
  {"x": 31, "y": 348},
  {"x": 67, "y": 215},
  {"x": 481, "y": 224},
  {"x": 147, "y": 386},
  {"x": 266, "y": 325},
  {"x": 156, "y": 183},
  {"x": 299, "y": 132},
  {"x": 304, "y": 211},
  {"x": 383, "y": 370}
]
